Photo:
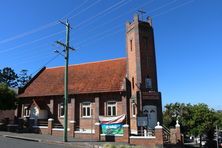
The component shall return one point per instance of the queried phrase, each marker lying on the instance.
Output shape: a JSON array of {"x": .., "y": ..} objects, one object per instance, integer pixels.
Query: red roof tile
[{"x": 103, "y": 76}]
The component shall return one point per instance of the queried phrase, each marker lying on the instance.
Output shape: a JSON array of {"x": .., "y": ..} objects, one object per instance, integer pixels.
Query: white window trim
[
  {"x": 107, "y": 105},
  {"x": 59, "y": 110},
  {"x": 90, "y": 109}
]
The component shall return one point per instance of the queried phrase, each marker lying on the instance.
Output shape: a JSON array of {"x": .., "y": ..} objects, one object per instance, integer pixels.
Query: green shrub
[{"x": 108, "y": 145}]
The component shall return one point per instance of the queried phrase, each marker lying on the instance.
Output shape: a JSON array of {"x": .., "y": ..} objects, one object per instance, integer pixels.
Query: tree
[
  {"x": 197, "y": 120},
  {"x": 202, "y": 121},
  {"x": 176, "y": 111},
  {"x": 9, "y": 77},
  {"x": 218, "y": 121},
  {"x": 7, "y": 98},
  {"x": 23, "y": 78}
]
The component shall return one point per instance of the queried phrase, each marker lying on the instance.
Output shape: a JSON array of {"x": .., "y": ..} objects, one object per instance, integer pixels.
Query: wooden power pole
[{"x": 67, "y": 48}]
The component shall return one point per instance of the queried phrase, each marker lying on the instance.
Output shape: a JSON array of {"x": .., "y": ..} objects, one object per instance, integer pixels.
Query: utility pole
[{"x": 66, "y": 46}]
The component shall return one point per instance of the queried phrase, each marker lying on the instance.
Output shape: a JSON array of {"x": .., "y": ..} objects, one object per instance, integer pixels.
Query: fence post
[
  {"x": 50, "y": 125},
  {"x": 97, "y": 131},
  {"x": 72, "y": 128},
  {"x": 159, "y": 135},
  {"x": 126, "y": 133}
]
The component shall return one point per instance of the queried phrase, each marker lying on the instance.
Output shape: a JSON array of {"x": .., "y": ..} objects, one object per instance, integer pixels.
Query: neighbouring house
[{"x": 117, "y": 89}]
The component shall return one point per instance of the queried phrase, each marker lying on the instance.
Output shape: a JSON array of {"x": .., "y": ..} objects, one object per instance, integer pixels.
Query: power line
[
  {"x": 44, "y": 65},
  {"x": 51, "y": 24},
  {"x": 98, "y": 35},
  {"x": 132, "y": 11},
  {"x": 106, "y": 11},
  {"x": 101, "y": 34},
  {"x": 121, "y": 15},
  {"x": 105, "y": 32},
  {"x": 69, "y": 13},
  {"x": 101, "y": 37},
  {"x": 163, "y": 6},
  {"x": 38, "y": 29},
  {"x": 83, "y": 10},
  {"x": 171, "y": 9},
  {"x": 29, "y": 32},
  {"x": 31, "y": 42}
]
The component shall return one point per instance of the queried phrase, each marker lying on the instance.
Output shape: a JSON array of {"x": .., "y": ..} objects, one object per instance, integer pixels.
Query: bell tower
[{"x": 141, "y": 67}]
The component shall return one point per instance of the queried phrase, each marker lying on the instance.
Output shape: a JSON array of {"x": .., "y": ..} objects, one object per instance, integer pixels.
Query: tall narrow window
[
  {"x": 111, "y": 108},
  {"x": 148, "y": 82},
  {"x": 26, "y": 111},
  {"x": 131, "y": 45},
  {"x": 133, "y": 109},
  {"x": 133, "y": 82},
  {"x": 86, "y": 109},
  {"x": 61, "y": 110}
]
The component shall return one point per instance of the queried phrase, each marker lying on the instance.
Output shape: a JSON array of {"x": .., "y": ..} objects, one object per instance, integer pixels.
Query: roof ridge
[{"x": 89, "y": 62}]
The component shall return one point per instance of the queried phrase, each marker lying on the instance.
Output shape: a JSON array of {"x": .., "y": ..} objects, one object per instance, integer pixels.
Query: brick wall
[
  {"x": 156, "y": 141},
  {"x": 7, "y": 114},
  {"x": 85, "y": 136}
]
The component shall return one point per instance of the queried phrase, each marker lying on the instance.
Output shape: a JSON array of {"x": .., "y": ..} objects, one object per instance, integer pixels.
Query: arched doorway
[{"x": 151, "y": 112}]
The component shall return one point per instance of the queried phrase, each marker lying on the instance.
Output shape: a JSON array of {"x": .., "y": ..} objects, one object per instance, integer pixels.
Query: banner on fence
[{"x": 112, "y": 125}]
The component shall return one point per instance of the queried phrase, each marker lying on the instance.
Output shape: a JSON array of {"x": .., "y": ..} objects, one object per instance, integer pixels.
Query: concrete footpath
[{"x": 80, "y": 143}]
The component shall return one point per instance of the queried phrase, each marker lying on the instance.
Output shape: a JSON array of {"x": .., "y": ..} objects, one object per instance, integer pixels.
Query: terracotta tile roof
[{"x": 103, "y": 76}]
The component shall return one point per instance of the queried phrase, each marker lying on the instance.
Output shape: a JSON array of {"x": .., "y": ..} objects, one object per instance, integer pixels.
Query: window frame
[
  {"x": 26, "y": 111},
  {"x": 111, "y": 106},
  {"x": 86, "y": 105},
  {"x": 59, "y": 110}
]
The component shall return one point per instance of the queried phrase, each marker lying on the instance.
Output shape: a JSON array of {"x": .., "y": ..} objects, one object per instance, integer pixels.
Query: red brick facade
[{"x": 93, "y": 85}]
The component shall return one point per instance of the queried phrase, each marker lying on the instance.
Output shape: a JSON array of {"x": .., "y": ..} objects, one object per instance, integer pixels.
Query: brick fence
[{"x": 96, "y": 134}]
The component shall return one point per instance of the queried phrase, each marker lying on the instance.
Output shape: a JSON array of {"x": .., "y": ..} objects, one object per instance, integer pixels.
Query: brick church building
[{"x": 111, "y": 88}]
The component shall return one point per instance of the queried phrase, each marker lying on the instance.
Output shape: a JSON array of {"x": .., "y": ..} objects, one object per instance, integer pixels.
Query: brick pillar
[
  {"x": 50, "y": 125},
  {"x": 126, "y": 133},
  {"x": 96, "y": 109},
  {"x": 159, "y": 135},
  {"x": 177, "y": 132},
  {"x": 125, "y": 109},
  {"x": 72, "y": 127},
  {"x": 97, "y": 131},
  {"x": 73, "y": 102}
]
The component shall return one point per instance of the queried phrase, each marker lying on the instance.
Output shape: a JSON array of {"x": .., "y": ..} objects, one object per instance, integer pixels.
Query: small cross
[{"x": 141, "y": 13}]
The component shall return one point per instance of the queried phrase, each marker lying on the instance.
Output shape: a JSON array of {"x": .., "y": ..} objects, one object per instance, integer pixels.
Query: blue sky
[{"x": 188, "y": 39}]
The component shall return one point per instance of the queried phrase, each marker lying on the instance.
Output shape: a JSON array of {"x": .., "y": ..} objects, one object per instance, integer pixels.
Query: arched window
[{"x": 148, "y": 82}]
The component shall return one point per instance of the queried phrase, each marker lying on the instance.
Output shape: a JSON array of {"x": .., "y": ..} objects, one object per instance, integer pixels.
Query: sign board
[
  {"x": 112, "y": 129},
  {"x": 112, "y": 125},
  {"x": 142, "y": 121}
]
